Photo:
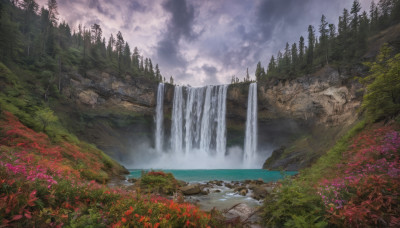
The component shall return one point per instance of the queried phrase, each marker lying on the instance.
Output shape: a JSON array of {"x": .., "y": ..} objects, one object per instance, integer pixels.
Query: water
[
  {"x": 159, "y": 133},
  {"x": 204, "y": 175},
  {"x": 225, "y": 197},
  {"x": 250, "y": 143},
  {"x": 221, "y": 121},
  {"x": 198, "y": 120},
  {"x": 177, "y": 126},
  {"x": 198, "y": 132}
]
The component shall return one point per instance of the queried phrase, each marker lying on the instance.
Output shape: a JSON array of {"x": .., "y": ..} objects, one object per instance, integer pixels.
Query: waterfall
[
  {"x": 177, "y": 118},
  {"x": 198, "y": 120},
  {"x": 159, "y": 134},
  {"x": 250, "y": 143},
  {"x": 221, "y": 121},
  {"x": 199, "y": 131}
]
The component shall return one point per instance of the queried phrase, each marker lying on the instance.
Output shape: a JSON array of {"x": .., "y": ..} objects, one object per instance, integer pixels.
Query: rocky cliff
[
  {"x": 304, "y": 114},
  {"x": 114, "y": 113},
  {"x": 298, "y": 118}
]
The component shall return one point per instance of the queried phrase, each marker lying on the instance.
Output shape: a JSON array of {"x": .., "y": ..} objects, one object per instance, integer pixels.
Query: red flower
[
  {"x": 128, "y": 212},
  {"x": 123, "y": 219}
]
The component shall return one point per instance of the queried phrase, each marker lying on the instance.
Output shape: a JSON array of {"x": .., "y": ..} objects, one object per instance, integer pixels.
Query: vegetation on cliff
[
  {"x": 46, "y": 184},
  {"x": 356, "y": 184}
]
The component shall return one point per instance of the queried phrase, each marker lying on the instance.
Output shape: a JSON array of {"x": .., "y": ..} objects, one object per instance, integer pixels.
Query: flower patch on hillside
[
  {"x": 42, "y": 184},
  {"x": 364, "y": 191}
]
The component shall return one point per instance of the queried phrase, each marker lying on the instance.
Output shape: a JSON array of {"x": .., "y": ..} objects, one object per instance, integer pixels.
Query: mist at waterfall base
[{"x": 198, "y": 133}]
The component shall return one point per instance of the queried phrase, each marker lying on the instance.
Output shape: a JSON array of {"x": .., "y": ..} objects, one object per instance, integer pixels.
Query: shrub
[
  {"x": 382, "y": 98},
  {"x": 158, "y": 182}
]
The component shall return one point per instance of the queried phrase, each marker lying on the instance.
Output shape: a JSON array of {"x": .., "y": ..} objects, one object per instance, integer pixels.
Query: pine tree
[
  {"x": 271, "y": 70},
  {"x": 151, "y": 70},
  {"x": 286, "y": 60},
  {"x": 96, "y": 33},
  {"x": 355, "y": 9},
  {"x": 385, "y": 7},
  {"x": 135, "y": 60},
  {"x": 310, "y": 51},
  {"x": 110, "y": 46},
  {"x": 127, "y": 58},
  {"x": 323, "y": 30},
  {"x": 53, "y": 11},
  {"x": 119, "y": 46},
  {"x": 146, "y": 67},
  {"x": 295, "y": 59},
  {"x": 280, "y": 64},
  {"x": 158, "y": 74},
  {"x": 301, "y": 52},
  {"x": 374, "y": 16},
  {"x": 30, "y": 7},
  {"x": 141, "y": 66},
  {"x": 342, "y": 50},
  {"x": 259, "y": 72},
  {"x": 247, "y": 78},
  {"x": 331, "y": 40}
]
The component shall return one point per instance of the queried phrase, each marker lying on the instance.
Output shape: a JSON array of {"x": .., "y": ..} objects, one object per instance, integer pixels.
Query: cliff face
[
  {"x": 323, "y": 106},
  {"x": 117, "y": 114},
  {"x": 113, "y": 113},
  {"x": 101, "y": 90},
  {"x": 304, "y": 115}
]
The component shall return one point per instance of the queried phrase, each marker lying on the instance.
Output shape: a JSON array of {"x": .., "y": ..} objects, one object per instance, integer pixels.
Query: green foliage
[
  {"x": 45, "y": 117},
  {"x": 296, "y": 202},
  {"x": 382, "y": 98},
  {"x": 342, "y": 48},
  {"x": 324, "y": 164},
  {"x": 158, "y": 182}
]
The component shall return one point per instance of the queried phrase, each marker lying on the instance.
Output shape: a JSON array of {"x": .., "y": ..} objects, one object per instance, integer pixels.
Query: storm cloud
[{"x": 208, "y": 41}]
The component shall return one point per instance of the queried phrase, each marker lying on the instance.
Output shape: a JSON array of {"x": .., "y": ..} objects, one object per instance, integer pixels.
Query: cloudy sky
[{"x": 203, "y": 42}]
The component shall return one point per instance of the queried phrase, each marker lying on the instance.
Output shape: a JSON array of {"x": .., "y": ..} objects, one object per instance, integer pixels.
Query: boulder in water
[{"x": 192, "y": 189}]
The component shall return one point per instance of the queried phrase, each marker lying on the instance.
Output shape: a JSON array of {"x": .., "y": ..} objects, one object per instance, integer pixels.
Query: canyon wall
[{"x": 117, "y": 114}]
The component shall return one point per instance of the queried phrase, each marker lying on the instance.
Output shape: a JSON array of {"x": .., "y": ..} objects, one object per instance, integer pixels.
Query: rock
[
  {"x": 240, "y": 188},
  {"x": 241, "y": 211},
  {"x": 243, "y": 192},
  {"x": 182, "y": 183},
  {"x": 260, "y": 192},
  {"x": 191, "y": 189},
  {"x": 88, "y": 97},
  {"x": 217, "y": 190},
  {"x": 228, "y": 185},
  {"x": 132, "y": 180}
]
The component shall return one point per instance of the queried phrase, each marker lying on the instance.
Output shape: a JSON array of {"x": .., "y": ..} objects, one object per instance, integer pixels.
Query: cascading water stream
[
  {"x": 159, "y": 134},
  {"x": 250, "y": 143},
  {"x": 221, "y": 121},
  {"x": 198, "y": 120},
  {"x": 177, "y": 125},
  {"x": 198, "y": 131}
]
